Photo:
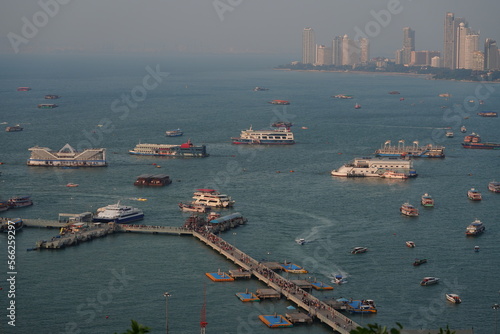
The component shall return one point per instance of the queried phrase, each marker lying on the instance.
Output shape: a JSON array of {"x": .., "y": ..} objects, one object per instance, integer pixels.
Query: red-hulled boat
[{"x": 474, "y": 141}]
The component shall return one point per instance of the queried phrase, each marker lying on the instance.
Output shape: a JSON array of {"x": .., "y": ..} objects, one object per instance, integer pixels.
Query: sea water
[{"x": 285, "y": 192}]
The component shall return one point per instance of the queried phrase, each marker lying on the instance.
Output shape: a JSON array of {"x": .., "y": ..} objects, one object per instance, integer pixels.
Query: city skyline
[{"x": 223, "y": 26}]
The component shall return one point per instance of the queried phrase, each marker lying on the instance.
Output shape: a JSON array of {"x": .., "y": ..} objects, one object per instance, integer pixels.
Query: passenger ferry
[
  {"x": 474, "y": 195},
  {"x": 184, "y": 150},
  {"x": 67, "y": 157},
  {"x": 20, "y": 201},
  {"x": 494, "y": 186},
  {"x": 212, "y": 198},
  {"x": 47, "y": 106},
  {"x": 117, "y": 213},
  {"x": 475, "y": 228},
  {"x": 278, "y": 136},
  {"x": 408, "y": 210},
  {"x": 427, "y": 200},
  {"x": 361, "y": 167},
  {"x": 414, "y": 150}
]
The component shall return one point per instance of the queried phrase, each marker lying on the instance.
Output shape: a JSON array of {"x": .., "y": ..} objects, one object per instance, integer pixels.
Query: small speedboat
[
  {"x": 418, "y": 262},
  {"x": 410, "y": 244},
  {"x": 357, "y": 106},
  {"x": 174, "y": 133},
  {"x": 339, "y": 279},
  {"x": 454, "y": 298},
  {"x": 300, "y": 241},
  {"x": 359, "y": 250},
  {"x": 72, "y": 185},
  {"x": 429, "y": 281},
  {"x": 449, "y": 134}
]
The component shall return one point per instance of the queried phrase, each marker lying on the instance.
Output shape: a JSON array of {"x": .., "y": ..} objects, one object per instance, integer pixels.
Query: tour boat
[
  {"x": 278, "y": 136},
  {"x": 193, "y": 207},
  {"x": 463, "y": 129},
  {"x": 494, "y": 186},
  {"x": 408, "y": 210},
  {"x": 212, "y": 198},
  {"x": 429, "y": 281},
  {"x": 174, "y": 133},
  {"x": 187, "y": 149},
  {"x": 20, "y": 201},
  {"x": 418, "y": 262},
  {"x": 427, "y": 200},
  {"x": 390, "y": 174},
  {"x": 453, "y": 298},
  {"x": 359, "y": 250},
  {"x": 474, "y": 195},
  {"x": 117, "y": 213},
  {"x": 14, "y": 128},
  {"x": 488, "y": 114},
  {"x": 361, "y": 306},
  {"x": 410, "y": 244},
  {"x": 474, "y": 141},
  {"x": 449, "y": 134},
  {"x": 475, "y": 228},
  {"x": 368, "y": 167}
]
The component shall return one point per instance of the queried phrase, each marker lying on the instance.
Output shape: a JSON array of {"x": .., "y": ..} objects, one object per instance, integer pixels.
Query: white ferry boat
[
  {"x": 361, "y": 167},
  {"x": 212, "y": 198},
  {"x": 184, "y": 150},
  {"x": 67, "y": 157},
  {"x": 118, "y": 214},
  {"x": 278, "y": 136}
]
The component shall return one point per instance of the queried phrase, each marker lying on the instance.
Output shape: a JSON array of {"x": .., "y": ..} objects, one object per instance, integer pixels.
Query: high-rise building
[
  {"x": 491, "y": 55},
  {"x": 337, "y": 51},
  {"x": 436, "y": 61},
  {"x": 308, "y": 46},
  {"x": 477, "y": 62},
  {"x": 399, "y": 57},
  {"x": 350, "y": 52},
  {"x": 471, "y": 46},
  {"x": 364, "y": 45},
  {"x": 451, "y": 25},
  {"x": 408, "y": 44},
  {"x": 323, "y": 55},
  {"x": 460, "y": 44},
  {"x": 423, "y": 58}
]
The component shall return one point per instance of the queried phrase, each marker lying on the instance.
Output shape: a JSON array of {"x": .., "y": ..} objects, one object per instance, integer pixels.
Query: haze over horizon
[{"x": 228, "y": 26}]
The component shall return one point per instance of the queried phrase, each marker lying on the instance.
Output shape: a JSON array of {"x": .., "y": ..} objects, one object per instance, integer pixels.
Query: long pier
[{"x": 315, "y": 307}]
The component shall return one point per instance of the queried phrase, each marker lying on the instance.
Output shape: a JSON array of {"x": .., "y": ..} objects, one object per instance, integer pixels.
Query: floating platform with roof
[
  {"x": 275, "y": 321},
  {"x": 247, "y": 297},
  {"x": 293, "y": 268},
  {"x": 298, "y": 317},
  {"x": 321, "y": 286},
  {"x": 268, "y": 293},
  {"x": 220, "y": 277},
  {"x": 240, "y": 273}
]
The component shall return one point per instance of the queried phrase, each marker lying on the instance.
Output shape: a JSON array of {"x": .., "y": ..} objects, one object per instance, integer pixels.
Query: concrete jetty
[{"x": 312, "y": 305}]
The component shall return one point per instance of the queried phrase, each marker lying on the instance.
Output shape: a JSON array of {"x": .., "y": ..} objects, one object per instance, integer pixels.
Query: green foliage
[
  {"x": 376, "y": 329},
  {"x": 137, "y": 328}
]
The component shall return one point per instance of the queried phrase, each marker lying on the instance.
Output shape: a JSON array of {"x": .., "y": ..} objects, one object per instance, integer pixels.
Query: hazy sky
[{"x": 229, "y": 26}]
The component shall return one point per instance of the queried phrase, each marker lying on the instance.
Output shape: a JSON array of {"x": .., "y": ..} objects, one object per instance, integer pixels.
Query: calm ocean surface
[{"x": 99, "y": 286}]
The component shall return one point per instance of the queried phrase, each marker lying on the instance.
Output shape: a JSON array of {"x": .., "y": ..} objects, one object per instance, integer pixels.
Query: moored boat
[
  {"x": 4, "y": 206},
  {"x": 475, "y": 228},
  {"x": 212, "y": 198},
  {"x": 369, "y": 167},
  {"x": 361, "y": 306},
  {"x": 174, "y": 133},
  {"x": 427, "y": 200},
  {"x": 117, "y": 213},
  {"x": 408, "y": 210},
  {"x": 454, "y": 298},
  {"x": 429, "y": 281},
  {"x": 20, "y": 201},
  {"x": 474, "y": 195},
  {"x": 193, "y": 207},
  {"x": 278, "y": 136},
  {"x": 474, "y": 141},
  {"x": 187, "y": 149},
  {"x": 413, "y": 150},
  {"x": 494, "y": 186},
  {"x": 359, "y": 250},
  {"x": 390, "y": 174}
]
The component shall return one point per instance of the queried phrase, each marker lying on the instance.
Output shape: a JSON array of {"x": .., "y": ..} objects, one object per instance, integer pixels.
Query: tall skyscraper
[
  {"x": 460, "y": 50},
  {"x": 491, "y": 55},
  {"x": 364, "y": 45},
  {"x": 323, "y": 55},
  {"x": 337, "y": 51},
  {"x": 451, "y": 25},
  {"x": 408, "y": 44},
  {"x": 308, "y": 46},
  {"x": 471, "y": 46},
  {"x": 346, "y": 56}
]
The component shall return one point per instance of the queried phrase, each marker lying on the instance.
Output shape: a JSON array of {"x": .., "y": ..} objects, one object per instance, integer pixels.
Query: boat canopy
[{"x": 226, "y": 218}]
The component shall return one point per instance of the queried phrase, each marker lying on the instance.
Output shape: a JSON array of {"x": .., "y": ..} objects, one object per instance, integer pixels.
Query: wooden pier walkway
[
  {"x": 154, "y": 229},
  {"x": 302, "y": 298}
]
